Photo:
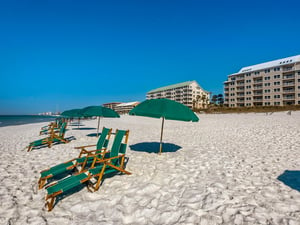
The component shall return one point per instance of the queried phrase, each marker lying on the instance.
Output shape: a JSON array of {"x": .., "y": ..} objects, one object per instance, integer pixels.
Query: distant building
[
  {"x": 112, "y": 105},
  {"x": 124, "y": 108},
  {"x": 274, "y": 83},
  {"x": 188, "y": 93}
]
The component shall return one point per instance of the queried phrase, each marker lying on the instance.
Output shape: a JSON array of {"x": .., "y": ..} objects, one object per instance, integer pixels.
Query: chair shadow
[
  {"x": 153, "y": 147},
  {"x": 291, "y": 178}
]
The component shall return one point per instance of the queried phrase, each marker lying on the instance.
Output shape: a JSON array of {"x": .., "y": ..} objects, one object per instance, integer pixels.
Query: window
[
  {"x": 248, "y": 81},
  {"x": 276, "y": 89},
  {"x": 267, "y": 97},
  {"x": 248, "y": 87},
  {"x": 267, "y": 103},
  {"x": 267, "y": 91},
  {"x": 276, "y": 103},
  {"x": 267, "y": 71},
  {"x": 257, "y": 72},
  {"x": 276, "y": 76},
  {"x": 276, "y": 96},
  {"x": 277, "y": 69},
  {"x": 267, "y": 84},
  {"x": 267, "y": 78},
  {"x": 277, "y": 83},
  {"x": 248, "y": 93}
]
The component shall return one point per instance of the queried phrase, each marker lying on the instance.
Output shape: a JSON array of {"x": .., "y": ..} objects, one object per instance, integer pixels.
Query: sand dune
[{"x": 222, "y": 170}]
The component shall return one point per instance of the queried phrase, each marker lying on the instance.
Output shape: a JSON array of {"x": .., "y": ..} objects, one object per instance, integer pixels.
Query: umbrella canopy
[
  {"x": 99, "y": 111},
  {"x": 165, "y": 109},
  {"x": 72, "y": 113}
]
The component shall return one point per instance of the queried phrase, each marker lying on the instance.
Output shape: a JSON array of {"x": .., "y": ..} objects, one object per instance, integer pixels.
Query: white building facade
[
  {"x": 274, "y": 83},
  {"x": 188, "y": 93}
]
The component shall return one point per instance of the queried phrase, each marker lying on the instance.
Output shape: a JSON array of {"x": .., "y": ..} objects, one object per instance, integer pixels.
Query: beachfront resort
[{"x": 274, "y": 83}]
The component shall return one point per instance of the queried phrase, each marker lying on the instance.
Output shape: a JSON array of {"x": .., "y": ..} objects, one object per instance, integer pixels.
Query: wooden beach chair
[
  {"x": 53, "y": 126},
  {"x": 84, "y": 159},
  {"x": 101, "y": 166},
  {"x": 54, "y": 137}
]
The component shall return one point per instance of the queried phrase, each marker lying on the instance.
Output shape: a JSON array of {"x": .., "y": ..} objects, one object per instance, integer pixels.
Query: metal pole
[
  {"x": 98, "y": 126},
  {"x": 161, "y": 135}
]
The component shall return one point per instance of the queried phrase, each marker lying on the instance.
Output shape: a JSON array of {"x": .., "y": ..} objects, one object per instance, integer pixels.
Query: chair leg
[
  {"x": 100, "y": 178},
  {"x": 50, "y": 203},
  {"x": 29, "y": 148},
  {"x": 41, "y": 182}
]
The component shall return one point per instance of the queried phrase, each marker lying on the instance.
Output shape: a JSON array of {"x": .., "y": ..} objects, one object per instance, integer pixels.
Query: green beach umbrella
[
  {"x": 165, "y": 109},
  {"x": 72, "y": 113},
  {"x": 99, "y": 111}
]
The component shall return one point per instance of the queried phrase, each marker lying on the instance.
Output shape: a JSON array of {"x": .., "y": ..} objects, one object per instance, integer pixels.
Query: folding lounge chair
[
  {"x": 53, "y": 126},
  {"x": 100, "y": 167},
  {"x": 53, "y": 138},
  {"x": 83, "y": 159}
]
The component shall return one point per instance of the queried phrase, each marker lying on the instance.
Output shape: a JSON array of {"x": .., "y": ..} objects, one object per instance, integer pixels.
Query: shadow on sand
[
  {"x": 153, "y": 147},
  {"x": 84, "y": 128},
  {"x": 291, "y": 178}
]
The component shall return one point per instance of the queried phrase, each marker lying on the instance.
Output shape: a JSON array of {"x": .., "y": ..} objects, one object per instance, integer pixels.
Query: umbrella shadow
[
  {"x": 153, "y": 147},
  {"x": 291, "y": 178},
  {"x": 84, "y": 128},
  {"x": 93, "y": 134}
]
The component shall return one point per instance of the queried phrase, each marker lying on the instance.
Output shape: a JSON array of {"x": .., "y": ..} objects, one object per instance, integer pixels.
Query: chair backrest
[
  {"x": 103, "y": 139},
  {"x": 119, "y": 144},
  {"x": 62, "y": 130}
]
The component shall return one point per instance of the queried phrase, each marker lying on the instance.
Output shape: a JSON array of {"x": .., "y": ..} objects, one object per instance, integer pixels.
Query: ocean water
[{"x": 9, "y": 120}]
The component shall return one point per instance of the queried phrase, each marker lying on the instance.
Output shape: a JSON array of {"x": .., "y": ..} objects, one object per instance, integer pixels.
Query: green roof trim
[{"x": 171, "y": 86}]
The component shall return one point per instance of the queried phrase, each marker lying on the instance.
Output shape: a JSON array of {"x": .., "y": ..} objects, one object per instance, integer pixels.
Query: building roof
[
  {"x": 128, "y": 104},
  {"x": 171, "y": 86},
  {"x": 274, "y": 63}
]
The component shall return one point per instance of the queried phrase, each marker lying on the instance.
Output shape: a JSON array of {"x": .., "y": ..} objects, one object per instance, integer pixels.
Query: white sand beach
[{"x": 221, "y": 170}]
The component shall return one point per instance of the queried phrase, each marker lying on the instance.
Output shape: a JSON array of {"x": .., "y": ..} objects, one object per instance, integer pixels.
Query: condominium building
[
  {"x": 188, "y": 93},
  {"x": 274, "y": 83}
]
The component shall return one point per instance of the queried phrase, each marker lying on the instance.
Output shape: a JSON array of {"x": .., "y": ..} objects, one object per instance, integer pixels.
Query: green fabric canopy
[
  {"x": 99, "y": 111},
  {"x": 165, "y": 109},
  {"x": 72, "y": 113}
]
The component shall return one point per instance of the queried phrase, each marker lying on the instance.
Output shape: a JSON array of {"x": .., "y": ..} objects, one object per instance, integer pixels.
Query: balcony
[
  {"x": 286, "y": 84},
  {"x": 287, "y": 69},
  {"x": 258, "y": 81},
  {"x": 257, "y": 93},
  {"x": 290, "y": 90},
  {"x": 288, "y": 97},
  {"x": 258, "y": 87},
  {"x": 288, "y": 77}
]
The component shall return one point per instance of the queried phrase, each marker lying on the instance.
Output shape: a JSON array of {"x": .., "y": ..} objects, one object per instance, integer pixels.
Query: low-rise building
[
  {"x": 111, "y": 105},
  {"x": 124, "y": 108}
]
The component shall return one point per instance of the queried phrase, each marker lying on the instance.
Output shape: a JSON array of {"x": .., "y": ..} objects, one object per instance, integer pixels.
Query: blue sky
[{"x": 59, "y": 55}]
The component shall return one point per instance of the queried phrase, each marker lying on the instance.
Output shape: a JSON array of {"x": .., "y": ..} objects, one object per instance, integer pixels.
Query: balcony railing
[
  {"x": 289, "y": 91},
  {"x": 288, "y": 83}
]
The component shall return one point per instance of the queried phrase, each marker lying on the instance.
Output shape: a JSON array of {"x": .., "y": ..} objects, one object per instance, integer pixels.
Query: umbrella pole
[
  {"x": 98, "y": 126},
  {"x": 161, "y": 134}
]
